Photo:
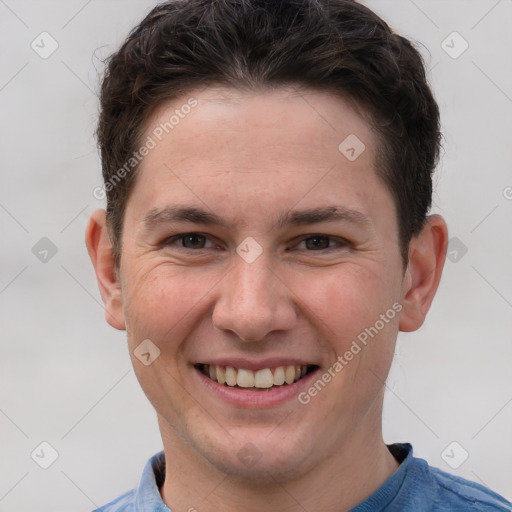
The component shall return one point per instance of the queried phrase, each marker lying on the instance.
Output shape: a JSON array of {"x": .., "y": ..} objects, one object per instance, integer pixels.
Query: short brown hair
[{"x": 333, "y": 45}]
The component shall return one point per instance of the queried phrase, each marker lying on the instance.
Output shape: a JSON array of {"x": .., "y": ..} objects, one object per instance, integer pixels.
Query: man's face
[{"x": 295, "y": 255}]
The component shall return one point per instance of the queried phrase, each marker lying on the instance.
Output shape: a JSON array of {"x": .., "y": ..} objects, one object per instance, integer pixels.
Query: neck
[{"x": 341, "y": 482}]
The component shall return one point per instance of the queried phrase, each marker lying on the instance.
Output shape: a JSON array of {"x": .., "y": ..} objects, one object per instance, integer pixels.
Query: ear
[
  {"x": 102, "y": 257},
  {"x": 427, "y": 254}
]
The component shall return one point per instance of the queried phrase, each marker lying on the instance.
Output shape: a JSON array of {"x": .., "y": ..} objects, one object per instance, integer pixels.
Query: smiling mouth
[{"x": 260, "y": 380}]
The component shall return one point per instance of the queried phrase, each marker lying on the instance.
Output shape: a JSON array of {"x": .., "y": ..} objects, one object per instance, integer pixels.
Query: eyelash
[{"x": 342, "y": 243}]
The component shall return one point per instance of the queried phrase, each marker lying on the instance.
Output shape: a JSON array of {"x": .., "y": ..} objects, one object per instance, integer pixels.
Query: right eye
[{"x": 188, "y": 241}]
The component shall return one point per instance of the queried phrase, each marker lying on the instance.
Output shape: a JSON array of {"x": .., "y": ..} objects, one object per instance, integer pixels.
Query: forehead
[
  {"x": 309, "y": 121},
  {"x": 279, "y": 146}
]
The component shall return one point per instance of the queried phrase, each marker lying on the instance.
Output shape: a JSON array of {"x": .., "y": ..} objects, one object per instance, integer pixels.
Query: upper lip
[{"x": 253, "y": 364}]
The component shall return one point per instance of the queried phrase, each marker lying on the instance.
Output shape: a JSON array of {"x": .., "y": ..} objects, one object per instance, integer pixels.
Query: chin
[{"x": 245, "y": 456}]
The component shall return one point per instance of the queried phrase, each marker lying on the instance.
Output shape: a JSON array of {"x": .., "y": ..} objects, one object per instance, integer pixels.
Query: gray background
[{"x": 66, "y": 377}]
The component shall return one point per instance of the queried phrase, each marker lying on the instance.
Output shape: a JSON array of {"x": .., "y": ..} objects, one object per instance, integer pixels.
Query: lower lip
[{"x": 256, "y": 399}]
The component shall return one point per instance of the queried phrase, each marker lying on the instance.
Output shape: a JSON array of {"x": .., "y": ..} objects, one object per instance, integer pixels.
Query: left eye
[{"x": 321, "y": 242}]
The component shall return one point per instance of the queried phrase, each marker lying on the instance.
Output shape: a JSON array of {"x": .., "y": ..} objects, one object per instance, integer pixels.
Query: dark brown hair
[{"x": 334, "y": 45}]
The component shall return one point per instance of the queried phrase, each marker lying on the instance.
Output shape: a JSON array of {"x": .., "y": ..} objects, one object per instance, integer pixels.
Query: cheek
[
  {"x": 347, "y": 300},
  {"x": 160, "y": 301},
  {"x": 346, "y": 308}
]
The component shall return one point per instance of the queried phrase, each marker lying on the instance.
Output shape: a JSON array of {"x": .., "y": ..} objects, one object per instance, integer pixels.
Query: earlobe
[
  {"x": 102, "y": 257},
  {"x": 427, "y": 254}
]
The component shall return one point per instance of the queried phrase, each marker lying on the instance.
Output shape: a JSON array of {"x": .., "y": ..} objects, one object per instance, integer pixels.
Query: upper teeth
[{"x": 265, "y": 378}]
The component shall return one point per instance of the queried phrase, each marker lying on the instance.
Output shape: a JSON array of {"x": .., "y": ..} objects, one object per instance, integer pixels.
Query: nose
[{"x": 254, "y": 301}]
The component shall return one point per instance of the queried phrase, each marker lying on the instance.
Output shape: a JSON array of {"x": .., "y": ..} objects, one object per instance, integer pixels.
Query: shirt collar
[
  {"x": 147, "y": 497},
  {"x": 390, "y": 488}
]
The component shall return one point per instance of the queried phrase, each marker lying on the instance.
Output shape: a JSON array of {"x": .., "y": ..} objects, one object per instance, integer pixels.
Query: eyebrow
[
  {"x": 179, "y": 213},
  {"x": 195, "y": 215},
  {"x": 323, "y": 214}
]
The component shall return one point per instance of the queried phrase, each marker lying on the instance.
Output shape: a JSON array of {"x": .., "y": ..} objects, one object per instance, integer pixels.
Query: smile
[{"x": 264, "y": 379}]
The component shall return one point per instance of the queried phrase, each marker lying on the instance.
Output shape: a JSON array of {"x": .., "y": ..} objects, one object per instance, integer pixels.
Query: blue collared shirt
[{"x": 413, "y": 487}]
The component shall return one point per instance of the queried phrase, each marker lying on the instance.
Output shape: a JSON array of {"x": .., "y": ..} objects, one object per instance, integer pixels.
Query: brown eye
[
  {"x": 317, "y": 243},
  {"x": 193, "y": 241},
  {"x": 320, "y": 243}
]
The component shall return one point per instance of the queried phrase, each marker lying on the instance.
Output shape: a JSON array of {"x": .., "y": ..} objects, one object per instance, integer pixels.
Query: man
[{"x": 267, "y": 169}]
